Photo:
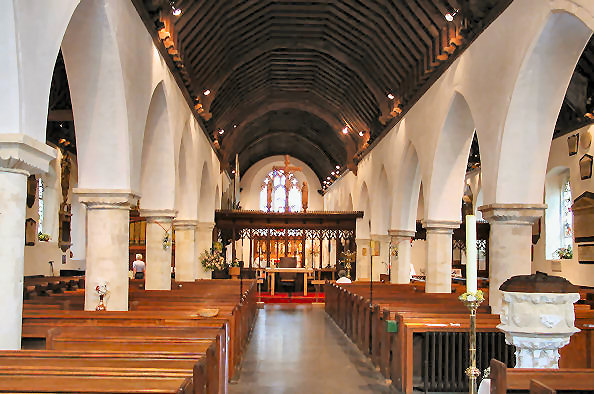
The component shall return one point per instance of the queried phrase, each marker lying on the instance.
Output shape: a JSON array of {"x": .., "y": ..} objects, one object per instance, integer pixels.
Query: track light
[
  {"x": 206, "y": 92},
  {"x": 390, "y": 96},
  {"x": 338, "y": 167},
  {"x": 221, "y": 131},
  {"x": 345, "y": 130},
  {"x": 361, "y": 134}
]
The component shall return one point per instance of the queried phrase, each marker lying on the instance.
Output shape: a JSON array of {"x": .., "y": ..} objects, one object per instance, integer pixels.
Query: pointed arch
[
  {"x": 364, "y": 224},
  {"x": 407, "y": 192},
  {"x": 449, "y": 165},
  {"x": 534, "y": 107},
  {"x": 99, "y": 105},
  {"x": 207, "y": 197},
  {"x": 187, "y": 188},
  {"x": 157, "y": 173},
  {"x": 382, "y": 207}
]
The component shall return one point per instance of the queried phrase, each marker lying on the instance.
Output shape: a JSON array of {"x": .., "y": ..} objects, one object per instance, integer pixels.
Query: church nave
[{"x": 299, "y": 349}]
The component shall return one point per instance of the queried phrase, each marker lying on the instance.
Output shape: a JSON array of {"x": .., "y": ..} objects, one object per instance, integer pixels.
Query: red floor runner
[{"x": 291, "y": 298}]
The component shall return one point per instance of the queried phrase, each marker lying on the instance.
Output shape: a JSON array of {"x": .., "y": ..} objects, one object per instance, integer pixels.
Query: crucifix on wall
[{"x": 287, "y": 169}]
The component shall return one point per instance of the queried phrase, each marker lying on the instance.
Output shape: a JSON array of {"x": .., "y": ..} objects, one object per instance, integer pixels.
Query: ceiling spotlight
[
  {"x": 450, "y": 15},
  {"x": 390, "y": 96},
  {"x": 206, "y": 92},
  {"x": 361, "y": 134},
  {"x": 232, "y": 171},
  {"x": 338, "y": 167},
  {"x": 221, "y": 131},
  {"x": 332, "y": 172},
  {"x": 176, "y": 11},
  {"x": 234, "y": 126},
  {"x": 345, "y": 130},
  {"x": 328, "y": 178}
]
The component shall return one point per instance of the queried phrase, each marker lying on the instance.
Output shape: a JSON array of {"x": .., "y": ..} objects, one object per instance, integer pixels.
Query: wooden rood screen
[{"x": 288, "y": 234}]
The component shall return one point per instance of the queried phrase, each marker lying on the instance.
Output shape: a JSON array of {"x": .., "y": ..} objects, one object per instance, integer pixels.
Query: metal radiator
[{"x": 442, "y": 357}]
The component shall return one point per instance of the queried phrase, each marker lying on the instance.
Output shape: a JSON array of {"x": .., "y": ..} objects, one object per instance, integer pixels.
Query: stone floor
[{"x": 299, "y": 349}]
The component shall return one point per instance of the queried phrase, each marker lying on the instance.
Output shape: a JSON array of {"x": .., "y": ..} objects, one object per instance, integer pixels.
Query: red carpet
[{"x": 291, "y": 298}]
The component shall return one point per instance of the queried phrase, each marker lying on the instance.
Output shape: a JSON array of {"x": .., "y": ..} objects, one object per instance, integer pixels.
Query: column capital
[
  {"x": 441, "y": 226},
  {"x": 158, "y": 214},
  {"x": 380, "y": 237},
  {"x": 19, "y": 152},
  {"x": 185, "y": 224},
  {"x": 395, "y": 234},
  {"x": 357, "y": 240},
  {"x": 512, "y": 213},
  {"x": 107, "y": 198},
  {"x": 205, "y": 226}
]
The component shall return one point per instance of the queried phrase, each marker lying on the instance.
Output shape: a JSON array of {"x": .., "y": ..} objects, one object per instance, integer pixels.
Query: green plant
[
  {"x": 564, "y": 253},
  {"x": 235, "y": 263}
]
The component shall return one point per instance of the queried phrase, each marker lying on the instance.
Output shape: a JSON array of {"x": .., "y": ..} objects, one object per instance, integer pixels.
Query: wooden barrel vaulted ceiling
[{"x": 318, "y": 80}]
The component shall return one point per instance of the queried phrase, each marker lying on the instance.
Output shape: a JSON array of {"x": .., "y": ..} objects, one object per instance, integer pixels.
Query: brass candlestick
[{"x": 472, "y": 302}]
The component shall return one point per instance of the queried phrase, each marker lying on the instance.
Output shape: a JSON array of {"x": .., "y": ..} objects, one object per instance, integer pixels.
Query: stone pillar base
[
  {"x": 510, "y": 241},
  {"x": 439, "y": 255},
  {"x": 185, "y": 250},
  {"x": 400, "y": 272},
  {"x": 203, "y": 243},
  {"x": 108, "y": 220},
  {"x": 158, "y": 255},
  {"x": 363, "y": 261}
]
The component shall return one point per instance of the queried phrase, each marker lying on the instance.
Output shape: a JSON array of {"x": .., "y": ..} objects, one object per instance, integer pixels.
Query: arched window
[
  {"x": 566, "y": 215},
  {"x": 40, "y": 207},
  {"x": 558, "y": 215},
  {"x": 279, "y": 192}
]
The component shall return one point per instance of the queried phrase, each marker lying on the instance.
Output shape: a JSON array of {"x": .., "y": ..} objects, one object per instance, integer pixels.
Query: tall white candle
[{"x": 471, "y": 263}]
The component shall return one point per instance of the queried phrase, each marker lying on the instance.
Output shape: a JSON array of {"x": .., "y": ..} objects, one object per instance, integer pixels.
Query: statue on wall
[{"x": 304, "y": 196}]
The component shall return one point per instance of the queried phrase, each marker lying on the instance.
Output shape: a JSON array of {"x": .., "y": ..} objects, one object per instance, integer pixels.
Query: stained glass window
[
  {"x": 279, "y": 194},
  {"x": 40, "y": 207},
  {"x": 566, "y": 215}
]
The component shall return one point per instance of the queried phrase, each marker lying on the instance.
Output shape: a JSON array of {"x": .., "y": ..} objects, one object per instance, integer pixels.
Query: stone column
[
  {"x": 401, "y": 263},
  {"x": 380, "y": 263},
  {"x": 203, "y": 243},
  {"x": 107, "y": 255},
  {"x": 510, "y": 243},
  {"x": 158, "y": 256},
  {"x": 363, "y": 261},
  {"x": 185, "y": 250},
  {"x": 20, "y": 156},
  {"x": 439, "y": 255}
]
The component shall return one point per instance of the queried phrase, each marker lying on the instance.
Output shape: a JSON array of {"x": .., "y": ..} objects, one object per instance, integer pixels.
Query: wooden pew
[
  {"x": 504, "y": 379},
  {"x": 166, "y": 310}
]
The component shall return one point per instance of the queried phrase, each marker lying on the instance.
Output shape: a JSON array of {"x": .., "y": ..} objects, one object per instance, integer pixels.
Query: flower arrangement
[
  {"x": 564, "y": 253},
  {"x": 101, "y": 289},
  {"x": 43, "y": 237},
  {"x": 478, "y": 296},
  {"x": 212, "y": 260},
  {"x": 166, "y": 241}
]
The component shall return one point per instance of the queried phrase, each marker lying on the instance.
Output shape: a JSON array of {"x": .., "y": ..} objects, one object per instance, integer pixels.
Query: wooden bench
[{"x": 504, "y": 379}]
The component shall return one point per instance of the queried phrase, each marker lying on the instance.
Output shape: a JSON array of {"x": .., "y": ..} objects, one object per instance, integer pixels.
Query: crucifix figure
[{"x": 287, "y": 170}]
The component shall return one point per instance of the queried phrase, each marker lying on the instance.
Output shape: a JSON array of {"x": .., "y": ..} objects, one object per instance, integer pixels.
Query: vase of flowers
[
  {"x": 102, "y": 290},
  {"x": 213, "y": 261},
  {"x": 564, "y": 253}
]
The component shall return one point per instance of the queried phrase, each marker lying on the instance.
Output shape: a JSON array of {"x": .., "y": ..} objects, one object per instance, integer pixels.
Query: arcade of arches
[{"x": 140, "y": 124}]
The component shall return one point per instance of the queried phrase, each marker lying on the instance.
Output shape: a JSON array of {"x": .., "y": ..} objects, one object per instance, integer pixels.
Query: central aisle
[{"x": 299, "y": 349}]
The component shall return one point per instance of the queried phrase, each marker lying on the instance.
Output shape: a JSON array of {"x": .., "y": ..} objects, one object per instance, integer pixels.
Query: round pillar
[
  {"x": 158, "y": 253},
  {"x": 510, "y": 243},
  {"x": 401, "y": 262},
  {"x": 439, "y": 255},
  {"x": 185, "y": 250}
]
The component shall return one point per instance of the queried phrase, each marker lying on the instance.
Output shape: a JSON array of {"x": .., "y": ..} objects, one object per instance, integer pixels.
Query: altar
[{"x": 270, "y": 272}]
